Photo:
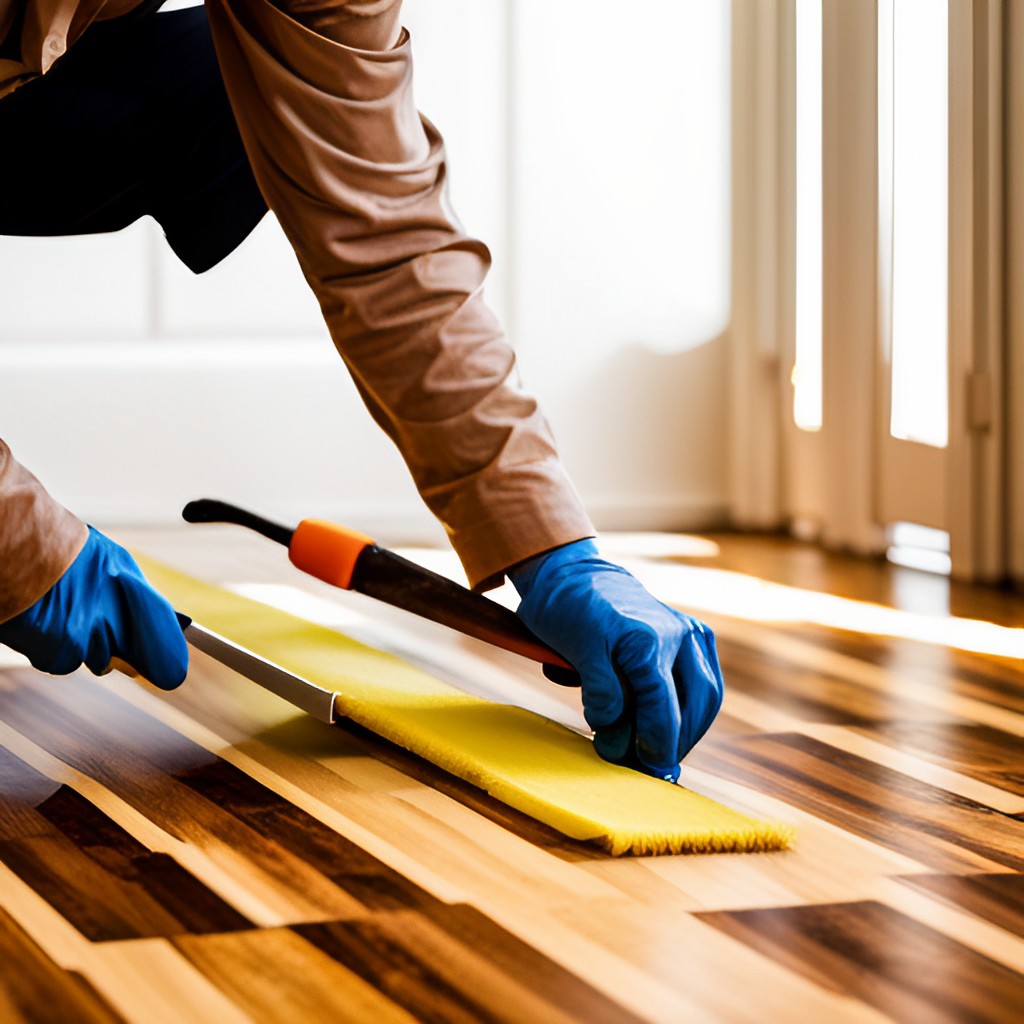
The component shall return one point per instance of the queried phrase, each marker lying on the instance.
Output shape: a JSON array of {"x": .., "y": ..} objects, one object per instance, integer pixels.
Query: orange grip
[{"x": 327, "y": 551}]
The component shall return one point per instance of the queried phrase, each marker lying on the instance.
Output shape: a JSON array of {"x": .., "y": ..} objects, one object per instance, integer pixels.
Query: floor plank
[
  {"x": 938, "y": 828},
  {"x": 979, "y": 751},
  {"x": 877, "y": 955},
  {"x": 454, "y": 964},
  {"x": 995, "y": 898},
  {"x": 36, "y": 991},
  {"x": 94, "y": 873}
]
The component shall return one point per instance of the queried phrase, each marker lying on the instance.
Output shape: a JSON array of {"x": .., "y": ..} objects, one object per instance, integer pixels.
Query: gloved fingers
[
  {"x": 707, "y": 640},
  {"x": 699, "y": 678},
  {"x": 658, "y": 720},
  {"x": 603, "y": 698},
  {"x": 645, "y": 661},
  {"x": 155, "y": 645},
  {"x": 617, "y": 742},
  {"x": 141, "y": 629}
]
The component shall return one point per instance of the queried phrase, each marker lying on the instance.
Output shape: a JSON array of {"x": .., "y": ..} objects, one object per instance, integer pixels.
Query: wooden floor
[{"x": 213, "y": 855}]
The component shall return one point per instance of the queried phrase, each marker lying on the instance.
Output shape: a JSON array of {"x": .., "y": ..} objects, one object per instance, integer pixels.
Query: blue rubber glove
[
  {"x": 651, "y": 681},
  {"x": 101, "y": 608}
]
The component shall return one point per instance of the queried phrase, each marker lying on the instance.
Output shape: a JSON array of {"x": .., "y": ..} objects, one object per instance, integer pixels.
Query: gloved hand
[
  {"x": 102, "y": 607},
  {"x": 651, "y": 681}
]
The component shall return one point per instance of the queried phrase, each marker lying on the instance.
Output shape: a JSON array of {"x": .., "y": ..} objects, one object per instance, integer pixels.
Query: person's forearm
[
  {"x": 39, "y": 538},
  {"x": 357, "y": 24},
  {"x": 357, "y": 180}
]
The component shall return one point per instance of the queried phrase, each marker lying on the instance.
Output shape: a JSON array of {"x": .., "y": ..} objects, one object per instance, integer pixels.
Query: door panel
[{"x": 912, "y": 390}]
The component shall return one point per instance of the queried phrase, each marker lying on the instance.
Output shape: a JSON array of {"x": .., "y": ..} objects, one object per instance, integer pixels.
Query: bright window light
[
  {"x": 699, "y": 589},
  {"x": 919, "y": 547},
  {"x": 914, "y": 58},
  {"x": 807, "y": 371}
]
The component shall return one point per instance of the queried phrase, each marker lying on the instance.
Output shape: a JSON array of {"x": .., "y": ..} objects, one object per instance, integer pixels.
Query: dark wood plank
[
  {"x": 156, "y": 897},
  {"x": 979, "y": 751},
  {"x": 107, "y": 884},
  {"x": 998, "y": 899},
  {"x": 351, "y": 868},
  {"x": 811, "y": 695},
  {"x": 454, "y": 965},
  {"x": 274, "y": 976},
  {"x": 868, "y": 799},
  {"x": 985, "y": 677},
  {"x": 35, "y": 990},
  {"x": 992, "y": 679},
  {"x": 883, "y": 958}
]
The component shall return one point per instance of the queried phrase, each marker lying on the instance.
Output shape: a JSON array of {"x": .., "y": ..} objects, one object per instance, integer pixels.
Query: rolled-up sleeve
[
  {"x": 357, "y": 179},
  {"x": 39, "y": 538}
]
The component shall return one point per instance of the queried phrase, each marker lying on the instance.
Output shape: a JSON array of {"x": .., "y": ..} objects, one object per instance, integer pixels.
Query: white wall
[
  {"x": 619, "y": 189},
  {"x": 589, "y": 150}
]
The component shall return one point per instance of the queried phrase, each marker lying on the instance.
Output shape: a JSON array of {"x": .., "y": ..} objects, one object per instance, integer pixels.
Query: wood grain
[
  {"x": 35, "y": 990},
  {"x": 213, "y": 855},
  {"x": 937, "y": 828},
  {"x": 103, "y": 881},
  {"x": 453, "y": 963},
  {"x": 977, "y": 751},
  {"x": 872, "y": 953},
  {"x": 995, "y": 898}
]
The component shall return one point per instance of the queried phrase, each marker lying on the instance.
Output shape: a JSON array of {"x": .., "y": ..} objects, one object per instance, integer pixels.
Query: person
[{"x": 203, "y": 117}]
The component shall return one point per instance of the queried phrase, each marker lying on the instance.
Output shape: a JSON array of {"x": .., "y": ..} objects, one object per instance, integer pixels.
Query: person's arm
[
  {"x": 70, "y": 596},
  {"x": 358, "y": 181},
  {"x": 322, "y": 92},
  {"x": 39, "y": 538}
]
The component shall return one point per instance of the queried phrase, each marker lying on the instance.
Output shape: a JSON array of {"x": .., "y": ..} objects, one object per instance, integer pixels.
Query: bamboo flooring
[{"x": 215, "y": 855}]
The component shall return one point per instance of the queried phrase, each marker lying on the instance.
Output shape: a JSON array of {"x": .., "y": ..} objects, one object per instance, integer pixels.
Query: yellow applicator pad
[{"x": 534, "y": 765}]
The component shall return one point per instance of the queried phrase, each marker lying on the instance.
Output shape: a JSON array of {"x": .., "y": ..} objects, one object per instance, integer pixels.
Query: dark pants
[{"x": 133, "y": 120}]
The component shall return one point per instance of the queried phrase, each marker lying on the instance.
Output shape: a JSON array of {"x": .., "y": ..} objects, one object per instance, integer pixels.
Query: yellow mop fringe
[{"x": 536, "y": 766}]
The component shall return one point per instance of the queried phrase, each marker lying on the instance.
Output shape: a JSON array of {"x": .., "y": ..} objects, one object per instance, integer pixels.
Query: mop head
[{"x": 536, "y": 766}]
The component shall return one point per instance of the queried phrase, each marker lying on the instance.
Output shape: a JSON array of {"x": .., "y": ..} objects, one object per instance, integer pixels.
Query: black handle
[{"x": 210, "y": 510}]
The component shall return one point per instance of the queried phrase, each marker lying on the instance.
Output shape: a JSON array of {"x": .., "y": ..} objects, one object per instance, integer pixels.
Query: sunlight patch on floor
[{"x": 740, "y": 596}]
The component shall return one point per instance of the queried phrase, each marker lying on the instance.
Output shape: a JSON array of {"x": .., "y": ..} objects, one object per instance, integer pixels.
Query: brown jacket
[
  {"x": 357, "y": 180},
  {"x": 39, "y": 539}
]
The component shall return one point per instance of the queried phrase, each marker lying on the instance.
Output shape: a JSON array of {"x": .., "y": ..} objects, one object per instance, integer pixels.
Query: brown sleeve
[
  {"x": 39, "y": 538},
  {"x": 357, "y": 180}
]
